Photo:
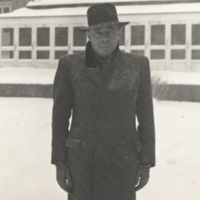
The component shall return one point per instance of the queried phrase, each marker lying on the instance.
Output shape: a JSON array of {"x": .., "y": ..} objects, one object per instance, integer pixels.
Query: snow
[
  {"x": 65, "y": 2},
  {"x": 25, "y": 149},
  {"x": 179, "y": 78},
  {"x": 14, "y": 75},
  {"x": 121, "y": 10},
  {"x": 26, "y": 172},
  {"x": 77, "y": 11}
]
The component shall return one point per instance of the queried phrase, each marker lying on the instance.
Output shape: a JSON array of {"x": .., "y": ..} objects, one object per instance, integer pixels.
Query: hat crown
[{"x": 102, "y": 13}]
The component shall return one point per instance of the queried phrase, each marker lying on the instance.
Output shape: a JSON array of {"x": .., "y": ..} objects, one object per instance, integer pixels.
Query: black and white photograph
[{"x": 99, "y": 100}]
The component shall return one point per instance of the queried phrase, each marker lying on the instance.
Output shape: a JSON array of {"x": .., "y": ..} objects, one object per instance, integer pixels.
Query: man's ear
[
  {"x": 88, "y": 34},
  {"x": 120, "y": 33}
]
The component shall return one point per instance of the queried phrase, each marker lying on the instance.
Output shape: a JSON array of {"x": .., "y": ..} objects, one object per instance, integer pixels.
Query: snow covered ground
[
  {"x": 25, "y": 75},
  {"x": 25, "y": 149}
]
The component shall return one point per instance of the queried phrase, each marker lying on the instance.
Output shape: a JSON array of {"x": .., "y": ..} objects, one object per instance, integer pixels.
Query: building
[
  {"x": 168, "y": 34},
  {"x": 7, "y": 6},
  {"x": 19, "y": 4},
  {"x": 166, "y": 31}
]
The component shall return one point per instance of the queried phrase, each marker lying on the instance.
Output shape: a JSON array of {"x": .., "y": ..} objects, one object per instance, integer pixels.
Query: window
[
  {"x": 7, "y": 37},
  {"x": 157, "y": 34},
  {"x": 138, "y": 52},
  {"x": 79, "y": 37},
  {"x": 196, "y": 34},
  {"x": 157, "y": 38},
  {"x": 43, "y": 37},
  {"x": 158, "y": 54},
  {"x": 24, "y": 54},
  {"x": 138, "y": 35},
  {"x": 178, "y": 34},
  {"x": 61, "y": 36},
  {"x": 77, "y": 52},
  {"x": 178, "y": 54},
  {"x": 6, "y": 10},
  {"x": 58, "y": 54},
  {"x": 43, "y": 55},
  {"x": 195, "y": 54},
  {"x": 7, "y": 55},
  {"x": 25, "y": 36}
]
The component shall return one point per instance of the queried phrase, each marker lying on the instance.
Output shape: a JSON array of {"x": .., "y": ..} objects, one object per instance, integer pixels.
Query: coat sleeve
[
  {"x": 63, "y": 96},
  {"x": 145, "y": 116}
]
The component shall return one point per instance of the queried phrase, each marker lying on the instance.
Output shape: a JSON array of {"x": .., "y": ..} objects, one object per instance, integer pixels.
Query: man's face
[{"x": 104, "y": 39}]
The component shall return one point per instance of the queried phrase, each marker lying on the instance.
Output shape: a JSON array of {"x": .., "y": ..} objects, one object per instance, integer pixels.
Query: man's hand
[
  {"x": 142, "y": 177},
  {"x": 63, "y": 177}
]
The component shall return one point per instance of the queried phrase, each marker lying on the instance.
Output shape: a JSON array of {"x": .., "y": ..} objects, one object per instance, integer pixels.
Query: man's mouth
[{"x": 104, "y": 46}]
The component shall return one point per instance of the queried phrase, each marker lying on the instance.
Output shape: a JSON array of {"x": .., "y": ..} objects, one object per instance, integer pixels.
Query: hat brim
[{"x": 120, "y": 24}]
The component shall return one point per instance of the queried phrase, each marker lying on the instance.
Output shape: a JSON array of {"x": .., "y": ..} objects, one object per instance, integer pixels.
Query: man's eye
[
  {"x": 97, "y": 33},
  {"x": 111, "y": 32},
  {"x": 108, "y": 33}
]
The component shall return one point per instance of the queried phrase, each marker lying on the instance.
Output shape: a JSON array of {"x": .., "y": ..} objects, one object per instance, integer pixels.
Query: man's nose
[{"x": 105, "y": 37}]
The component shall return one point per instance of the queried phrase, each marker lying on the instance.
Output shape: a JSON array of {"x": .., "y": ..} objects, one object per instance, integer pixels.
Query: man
[{"x": 103, "y": 156}]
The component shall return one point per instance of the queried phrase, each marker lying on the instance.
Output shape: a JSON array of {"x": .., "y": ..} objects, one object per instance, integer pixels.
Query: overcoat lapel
[
  {"x": 111, "y": 71},
  {"x": 94, "y": 75},
  {"x": 100, "y": 78}
]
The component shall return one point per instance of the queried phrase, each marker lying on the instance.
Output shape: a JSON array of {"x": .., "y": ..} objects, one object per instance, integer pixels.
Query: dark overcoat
[{"x": 103, "y": 146}]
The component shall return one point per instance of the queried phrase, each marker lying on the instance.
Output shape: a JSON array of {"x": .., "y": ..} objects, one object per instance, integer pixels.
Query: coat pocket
[{"x": 73, "y": 143}]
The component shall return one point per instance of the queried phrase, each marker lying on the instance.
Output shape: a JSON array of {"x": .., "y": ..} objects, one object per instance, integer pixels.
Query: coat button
[{"x": 123, "y": 142}]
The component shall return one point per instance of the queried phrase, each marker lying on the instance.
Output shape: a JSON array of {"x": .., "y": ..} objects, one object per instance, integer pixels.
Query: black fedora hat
[{"x": 102, "y": 15}]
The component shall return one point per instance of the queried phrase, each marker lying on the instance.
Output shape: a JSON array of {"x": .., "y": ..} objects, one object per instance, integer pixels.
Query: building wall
[
  {"x": 10, "y": 5},
  {"x": 16, "y": 4},
  {"x": 19, "y": 4},
  {"x": 5, "y": 6}
]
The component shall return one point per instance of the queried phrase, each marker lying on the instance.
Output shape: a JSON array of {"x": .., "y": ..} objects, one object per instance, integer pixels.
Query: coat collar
[{"x": 93, "y": 72}]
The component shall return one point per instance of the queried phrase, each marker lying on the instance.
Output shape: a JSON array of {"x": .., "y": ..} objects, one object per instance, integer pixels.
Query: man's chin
[{"x": 105, "y": 53}]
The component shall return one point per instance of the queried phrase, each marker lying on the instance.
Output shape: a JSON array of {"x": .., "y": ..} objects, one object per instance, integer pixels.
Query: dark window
[
  {"x": 7, "y": 37},
  {"x": 157, "y": 34},
  {"x": 178, "y": 34},
  {"x": 25, "y": 36},
  {"x": 138, "y": 52},
  {"x": 157, "y": 54},
  {"x": 58, "y": 54},
  {"x": 79, "y": 37},
  {"x": 178, "y": 54},
  {"x": 43, "y": 55},
  {"x": 195, "y": 54},
  {"x": 196, "y": 34},
  {"x": 77, "y": 52},
  {"x": 122, "y": 39},
  {"x": 6, "y": 10},
  {"x": 61, "y": 38},
  {"x": 24, "y": 54},
  {"x": 43, "y": 36},
  {"x": 7, "y": 55},
  {"x": 137, "y": 35}
]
